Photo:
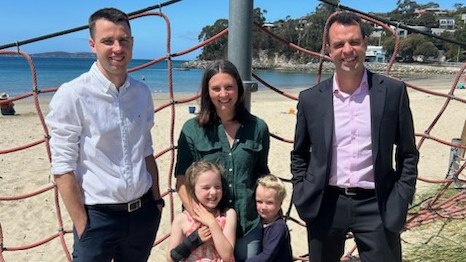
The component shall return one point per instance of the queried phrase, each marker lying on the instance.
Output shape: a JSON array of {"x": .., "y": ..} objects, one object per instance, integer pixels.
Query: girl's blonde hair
[
  {"x": 193, "y": 172},
  {"x": 273, "y": 182}
]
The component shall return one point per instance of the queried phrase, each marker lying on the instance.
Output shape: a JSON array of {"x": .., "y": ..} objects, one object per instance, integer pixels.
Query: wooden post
[{"x": 463, "y": 140}]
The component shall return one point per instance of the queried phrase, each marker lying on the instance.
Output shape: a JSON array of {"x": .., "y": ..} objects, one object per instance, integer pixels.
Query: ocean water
[{"x": 16, "y": 79}]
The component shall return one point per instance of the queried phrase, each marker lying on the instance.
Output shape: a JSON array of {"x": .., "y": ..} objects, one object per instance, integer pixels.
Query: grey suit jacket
[{"x": 392, "y": 129}]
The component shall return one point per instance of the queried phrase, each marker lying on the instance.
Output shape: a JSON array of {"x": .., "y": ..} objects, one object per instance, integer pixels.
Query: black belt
[
  {"x": 127, "y": 207},
  {"x": 355, "y": 192}
]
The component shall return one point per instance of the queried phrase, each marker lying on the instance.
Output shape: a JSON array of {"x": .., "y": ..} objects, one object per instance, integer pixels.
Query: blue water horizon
[{"x": 16, "y": 79}]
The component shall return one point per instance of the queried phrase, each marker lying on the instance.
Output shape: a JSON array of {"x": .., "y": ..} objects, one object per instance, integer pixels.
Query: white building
[
  {"x": 446, "y": 23},
  {"x": 439, "y": 31},
  {"x": 375, "y": 54}
]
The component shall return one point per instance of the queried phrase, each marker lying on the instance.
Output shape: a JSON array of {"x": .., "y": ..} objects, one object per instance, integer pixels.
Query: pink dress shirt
[{"x": 352, "y": 143}]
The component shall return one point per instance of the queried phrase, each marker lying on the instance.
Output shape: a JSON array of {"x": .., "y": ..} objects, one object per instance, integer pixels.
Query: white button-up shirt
[{"x": 103, "y": 135}]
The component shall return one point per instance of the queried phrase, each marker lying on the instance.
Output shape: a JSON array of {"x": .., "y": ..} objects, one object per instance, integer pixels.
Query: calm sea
[{"x": 15, "y": 76}]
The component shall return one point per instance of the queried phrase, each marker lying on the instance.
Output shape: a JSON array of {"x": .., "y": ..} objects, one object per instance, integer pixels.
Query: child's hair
[
  {"x": 193, "y": 172},
  {"x": 273, "y": 182}
]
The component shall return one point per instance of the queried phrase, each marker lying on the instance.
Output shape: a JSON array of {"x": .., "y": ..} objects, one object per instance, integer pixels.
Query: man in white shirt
[{"x": 102, "y": 156}]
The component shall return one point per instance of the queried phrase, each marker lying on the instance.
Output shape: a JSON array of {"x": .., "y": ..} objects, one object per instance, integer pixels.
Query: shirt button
[
  {"x": 230, "y": 201},
  {"x": 229, "y": 154},
  {"x": 230, "y": 185},
  {"x": 231, "y": 169}
]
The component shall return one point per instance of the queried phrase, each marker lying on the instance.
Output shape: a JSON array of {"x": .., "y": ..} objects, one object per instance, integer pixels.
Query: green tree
[
  {"x": 409, "y": 44},
  {"x": 441, "y": 44},
  {"x": 315, "y": 30},
  {"x": 260, "y": 40},
  {"x": 404, "y": 11},
  {"x": 368, "y": 28},
  {"x": 454, "y": 52},
  {"x": 429, "y": 5},
  {"x": 217, "y": 49},
  {"x": 308, "y": 31},
  {"x": 287, "y": 30},
  {"x": 426, "y": 50},
  {"x": 458, "y": 6},
  {"x": 427, "y": 19},
  {"x": 388, "y": 44}
]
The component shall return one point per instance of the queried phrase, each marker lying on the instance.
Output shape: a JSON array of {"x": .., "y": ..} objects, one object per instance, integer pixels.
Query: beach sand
[{"x": 26, "y": 221}]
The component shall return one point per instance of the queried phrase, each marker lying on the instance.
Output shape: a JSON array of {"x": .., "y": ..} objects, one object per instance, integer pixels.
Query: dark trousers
[
  {"x": 117, "y": 235},
  {"x": 249, "y": 245},
  {"x": 360, "y": 215}
]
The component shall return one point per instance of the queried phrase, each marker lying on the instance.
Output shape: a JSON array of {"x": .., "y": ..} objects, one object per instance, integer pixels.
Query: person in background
[
  {"x": 347, "y": 130},
  {"x": 270, "y": 193},
  {"x": 213, "y": 222},
  {"x": 225, "y": 133},
  {"x": 102, "y": 156},
  {"x": 7, "y": 107}
]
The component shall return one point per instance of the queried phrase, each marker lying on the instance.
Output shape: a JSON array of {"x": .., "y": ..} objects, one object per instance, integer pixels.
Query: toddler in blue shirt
[{"x": 270, "y": 192}]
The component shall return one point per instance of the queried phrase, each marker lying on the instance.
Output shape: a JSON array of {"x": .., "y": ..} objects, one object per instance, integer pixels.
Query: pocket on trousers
[
  {"x": 86, "y": 229},
  {"x": 395, "y": 212}
]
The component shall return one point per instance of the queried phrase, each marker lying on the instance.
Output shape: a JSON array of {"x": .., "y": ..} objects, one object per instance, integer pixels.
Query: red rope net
[{"x": 35, "y": 206}]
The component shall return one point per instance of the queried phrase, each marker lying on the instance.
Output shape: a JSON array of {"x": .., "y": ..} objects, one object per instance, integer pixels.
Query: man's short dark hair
[
  {"x": 110, "y": 14},
  {"x": 344, "y": 18}
]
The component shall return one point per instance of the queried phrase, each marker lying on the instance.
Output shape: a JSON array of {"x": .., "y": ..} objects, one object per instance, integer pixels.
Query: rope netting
[{"x": 24, "y": 216}]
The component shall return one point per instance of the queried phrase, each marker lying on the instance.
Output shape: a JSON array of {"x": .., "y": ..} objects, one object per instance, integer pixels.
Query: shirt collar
[
  {"x": 105, "y": 84},
  {"x": 363, "y": 86}
]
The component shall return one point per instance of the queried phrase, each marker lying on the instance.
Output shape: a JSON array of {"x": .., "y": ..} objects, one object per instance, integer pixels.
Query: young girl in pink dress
[{"x": 210, "y": 233}]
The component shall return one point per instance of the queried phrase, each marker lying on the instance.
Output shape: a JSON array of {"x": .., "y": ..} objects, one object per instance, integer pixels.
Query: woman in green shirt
[{"x": 224, "y": 132}]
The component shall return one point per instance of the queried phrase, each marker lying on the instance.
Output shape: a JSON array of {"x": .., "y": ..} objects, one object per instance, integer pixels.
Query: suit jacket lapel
[
  {"x": 378, "y": 97},
  {"x": 327, "y": 115}
]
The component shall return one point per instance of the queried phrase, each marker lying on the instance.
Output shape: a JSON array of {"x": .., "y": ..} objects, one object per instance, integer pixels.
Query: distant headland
[{"x": 60, "y": 54}]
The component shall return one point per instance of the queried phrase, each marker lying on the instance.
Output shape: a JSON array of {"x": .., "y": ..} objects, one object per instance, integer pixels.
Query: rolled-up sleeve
[{"x": 65, "y": 128}]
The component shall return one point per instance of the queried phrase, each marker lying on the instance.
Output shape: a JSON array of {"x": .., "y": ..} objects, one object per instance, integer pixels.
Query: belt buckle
[
  {"x": 134, "y": 205},
  {"x": 348, "y": 192}
]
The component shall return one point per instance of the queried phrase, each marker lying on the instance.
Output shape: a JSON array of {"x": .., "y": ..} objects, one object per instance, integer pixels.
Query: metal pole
[
  {"x": 240, "y": 43},
  {"x": 458, "y": 55}
]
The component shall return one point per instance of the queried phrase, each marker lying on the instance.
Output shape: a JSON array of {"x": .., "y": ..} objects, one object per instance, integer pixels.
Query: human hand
[
  {"x": 204, "y": 234},
  {"x": 160, "y": 203},
  {"x": 301, "y": 258},
  {"x": 201, "y": 214}
]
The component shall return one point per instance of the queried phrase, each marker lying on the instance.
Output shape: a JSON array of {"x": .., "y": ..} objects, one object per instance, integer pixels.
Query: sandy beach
[{"x": 27, "y": 221}]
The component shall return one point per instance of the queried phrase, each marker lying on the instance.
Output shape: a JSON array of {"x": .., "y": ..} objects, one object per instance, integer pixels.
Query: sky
[{"x": 21, "y": 20}]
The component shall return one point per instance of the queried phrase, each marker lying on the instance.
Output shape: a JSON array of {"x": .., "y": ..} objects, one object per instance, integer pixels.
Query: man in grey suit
[{"x": 344, "y": 177}]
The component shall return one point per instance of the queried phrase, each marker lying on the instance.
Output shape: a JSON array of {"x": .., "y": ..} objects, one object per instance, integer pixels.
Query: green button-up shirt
[{"x": 243, "y": 163}]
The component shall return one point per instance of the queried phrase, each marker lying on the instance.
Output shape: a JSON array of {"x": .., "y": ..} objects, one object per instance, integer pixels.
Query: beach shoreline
[{"x": 327, "y": 66}]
